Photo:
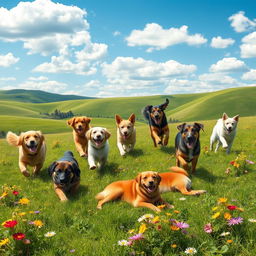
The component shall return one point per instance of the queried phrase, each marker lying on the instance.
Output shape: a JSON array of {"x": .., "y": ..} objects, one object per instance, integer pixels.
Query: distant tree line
[
  {"x": 173, "y": 120},
  {"x": 57, "y": 114}
]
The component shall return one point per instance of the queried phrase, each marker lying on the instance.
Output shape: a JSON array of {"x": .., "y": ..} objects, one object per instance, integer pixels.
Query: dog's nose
[
  {"x": 125, "y": 133},
  {"x": 151, "y": 183},
  {"x": 190, "y": 138},
  {"x": 80, "y": 126},
  {"x": 98, "y": 136},
  {"x": 32, "y": 142}
]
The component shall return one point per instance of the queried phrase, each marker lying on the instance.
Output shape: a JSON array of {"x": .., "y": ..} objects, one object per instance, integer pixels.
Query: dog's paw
[
  {"x": 64, "y": 200},
  {"x": 225, "y": 146},
  {"x": 25, "y": 173},
  {"x": 160, "y": 142},
  {"x": 123, "y": 153},
  {"x": 93, "y": 167},
  {"x": 83, "y": 155},
  {"x": 99, "y": 207}
]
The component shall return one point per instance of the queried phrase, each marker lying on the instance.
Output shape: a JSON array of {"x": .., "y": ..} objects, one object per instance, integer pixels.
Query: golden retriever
[
  {"x": 126, "y": 134},
  {"x": 80, "y": 126},
  {"x": 177, "y": 180},
  {"x": 143, "y": 191},
  {"x": 32, "y": 150}
]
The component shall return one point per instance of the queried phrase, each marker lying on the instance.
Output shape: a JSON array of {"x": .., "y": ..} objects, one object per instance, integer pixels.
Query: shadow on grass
[
  {"x": 109, "y": 168},
  {"x": 136, "y": 152},
  {"x": 168, "y": 150},
  {"x": 205, "y": 175},
  {"x": 81, "y": 192},
  {"x": 43, "y": 175}
]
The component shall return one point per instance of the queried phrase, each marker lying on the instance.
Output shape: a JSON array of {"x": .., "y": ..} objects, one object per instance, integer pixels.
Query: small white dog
[
  {"x": 98, "y": 147},
  {"x": 224, "y": 132}
]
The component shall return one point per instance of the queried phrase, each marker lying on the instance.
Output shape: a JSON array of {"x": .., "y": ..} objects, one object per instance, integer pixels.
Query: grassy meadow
[{"x": 81, "y": 229}]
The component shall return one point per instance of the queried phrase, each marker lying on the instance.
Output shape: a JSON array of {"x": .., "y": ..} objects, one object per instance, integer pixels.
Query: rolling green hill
[
  {"x": 36, "y": 96},
  {"x": 183, "y": 107}
]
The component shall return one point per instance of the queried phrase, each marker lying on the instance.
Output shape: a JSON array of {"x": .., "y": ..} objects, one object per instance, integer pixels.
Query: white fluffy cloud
[
  {"x": 49, "y": 28},
  {"x": 219, "y": 42},
  {"x": 8, "y": 60},
  {"x": 241, "y": 23},
  {"x": 228, "y": 65},
  {"x": 219, "y": 78},
  {"x": 7, "y": 79},
  {"x": 157, "y": 38},
  {"x": 250, "y": 76},
  {"x": 248, "y": 47}
]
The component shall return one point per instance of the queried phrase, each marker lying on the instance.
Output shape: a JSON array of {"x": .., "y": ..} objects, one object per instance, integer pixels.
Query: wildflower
[
  {"x": 228, "y": 170},
  {"x": 145, "y": 217},
  {"x": 72, "y": 250},
  {"x": 227, "y": 216},
  {"x": 232, "y": 162},
  {"x": 161, "y": 206},
  {"x": 155, "y": 220},
  {"x": 182, "y": 199},
  {"x": 249, "y": 162},
  {"x": 10, "y": 223},
  {"x": 174, "y": 228},
  {"x": 168, "y": 214},
  {"x": 24, "y": 201},
  {"x": 237, "y": 165},
  {"x": 231, "y": 207},
  {"x": 123, "y": 243},
  {"x": 225, "y": 234},
  {"x": 50, "y": 234},
  {"x": 136, "y": 237},
  {"x": 131, "y": 231},
  {"x": 174, "y": 245},
  {"x": 3, "y": 195},
  {"x": 26, "y": 241},
  {"x": 175, "y": 211},
  {"x": 38, "y": 223},
  {"x": 252, "y": 220},
  {"x": 18, "y": 236},
  {"x": 222, "y": 200},
  {"x": 235, "y": 221},
  {"x": 229, "y": 241},
  {"x": 159, "y": 227},
  {"x": 142, "y": 228},
  {"x": 215, "y": 208},
  {"x": 190, "y": 251},
  {"x": 216, "y": 215},
  {"x": 22, "y": 213},
  {"x": 4, "y": 241},
  {"x": 15, "y": 192},
  {"x": 181, "y": 225},
  {"x": 208, "y": 228}
]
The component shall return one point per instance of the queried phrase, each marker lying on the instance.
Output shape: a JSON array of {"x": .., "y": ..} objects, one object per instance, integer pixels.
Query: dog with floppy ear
[
  {"x": 157, "y": 123},
  {"x": 65, "y": 174},
  {"x": 98, "y": 147},
  {"x": 143, "y": 191},
  {"x": 32, "y": 150},
  {"x": 80, "y": 126},
  {"x": 126, "y": 134},
  {"x": 187, "y": 145}
]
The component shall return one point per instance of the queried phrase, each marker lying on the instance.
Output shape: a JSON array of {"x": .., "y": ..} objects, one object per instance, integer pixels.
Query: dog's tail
[
  {"x": 178, "y": 170},
  {"x": 13, "y": 139},
  {"x": 145, "y": 111}
]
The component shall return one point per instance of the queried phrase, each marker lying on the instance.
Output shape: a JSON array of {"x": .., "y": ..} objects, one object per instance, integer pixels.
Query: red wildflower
[
  {"x": 15, "y": 192},
  {"x": 231, "y": 207},
  {"x": 10, "y": 223},
  {"x": 18, "y": 236},
  {"x": 232, "y": 162}
]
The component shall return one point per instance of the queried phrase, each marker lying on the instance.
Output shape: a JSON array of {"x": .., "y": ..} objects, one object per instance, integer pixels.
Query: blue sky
[{"x": 110, "y": 48}]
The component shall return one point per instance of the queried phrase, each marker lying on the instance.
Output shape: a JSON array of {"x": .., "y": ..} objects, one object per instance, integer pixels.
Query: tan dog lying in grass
[
  {"x": 177, "y": 180},
  {"x": 80, "y": 126},
  {"x": 140, "y": 192},
  {"x": 32, "y": 150},
  {"x": 126, "y": 134}
]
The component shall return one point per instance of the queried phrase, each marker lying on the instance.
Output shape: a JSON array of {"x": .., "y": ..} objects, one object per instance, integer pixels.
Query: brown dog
[
  {"x": 140, "y": 192},
  {"x": 177, "y": 180},
  {"x": 65, "y": 174},
  {"x": 187, "y": 145},
  {"x": 157, "y": 123},
  {"x": 32, "y": 150},
  {"x": 80, "y": 126},
  {"x": 126, "y": 134}
]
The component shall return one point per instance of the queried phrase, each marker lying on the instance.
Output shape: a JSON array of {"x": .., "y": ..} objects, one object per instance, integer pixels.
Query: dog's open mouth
[
  {"x": 98, "y": 141},
  {"x": 150, "y": 188},
  {"x": 190, "y": 144},
  {"x": 157, "y": 119},
  {"x": 32, "y": 148},
  {"x": 126, "y": 136}
]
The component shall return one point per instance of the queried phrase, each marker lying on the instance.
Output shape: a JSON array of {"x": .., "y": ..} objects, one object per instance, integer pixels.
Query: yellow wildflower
[
  {"x": 216, "y": 215},
  {"x": 215, "y": 208},
  {"x": 174, "y": 227},
  {"x": 4, "y": 241},
  {"x": 168, "y": 214},
  {"x": 4, "y": 194},
  {"x": 175, "y": 211},
  {"x": 227, "y": 215},
  {"x": 222, "y": 200},
  {"x": 24, "y": 201},
  {"x": 229, "y": 241},
  {"x": 38, "y": 223},
  {"x": 142, "y": 228},
  {"x": 161, "y": 206},
  {"x": 173, "y": 245},
  {"x": 22, "y": 213},
  {"x": 156, "y": 219},
  {"x": 237, "y": 165},
  {"x": 131, "y": 231}
]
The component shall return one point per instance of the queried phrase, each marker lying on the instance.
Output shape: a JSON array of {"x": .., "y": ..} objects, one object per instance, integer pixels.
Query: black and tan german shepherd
[
  {"x": 187, "y": 145},
  {"x": 157, "y": 123}
]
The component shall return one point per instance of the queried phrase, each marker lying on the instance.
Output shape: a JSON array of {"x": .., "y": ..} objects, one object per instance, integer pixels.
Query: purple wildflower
[
  {"x": 36, "y": 212},
  {"x": 208, "y": 228},
  {"x": 136, "y": 237},
  {"x": 249, "y": 161},
  {"x": 235, "y": 221},
  {"x": 181, "y": 225}
]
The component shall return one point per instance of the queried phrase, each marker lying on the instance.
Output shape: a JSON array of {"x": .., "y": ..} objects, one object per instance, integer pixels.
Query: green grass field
[{"x": 81, "y": 227}]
